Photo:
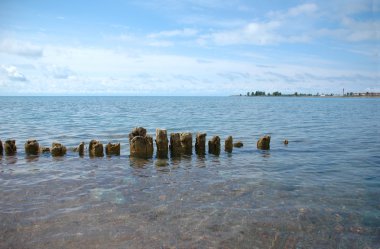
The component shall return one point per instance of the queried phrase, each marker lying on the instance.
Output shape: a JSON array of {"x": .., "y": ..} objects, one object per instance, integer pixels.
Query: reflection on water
[{"x": 322, "y": 190}]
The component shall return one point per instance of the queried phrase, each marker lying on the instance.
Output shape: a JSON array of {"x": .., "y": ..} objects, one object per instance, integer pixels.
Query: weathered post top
[
  {"x": 200, "y": 143},
  {"x": 264, "y": 143},
  {"x": 214, "y": 145},
  {"x": 140, "y": 144},
  {"x": 162, "y": 143}
]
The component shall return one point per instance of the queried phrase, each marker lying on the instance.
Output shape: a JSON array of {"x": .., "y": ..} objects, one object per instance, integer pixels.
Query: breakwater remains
[{"x": 141, "y": 145}]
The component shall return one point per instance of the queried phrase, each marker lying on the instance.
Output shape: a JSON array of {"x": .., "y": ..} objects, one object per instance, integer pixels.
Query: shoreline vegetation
[{"x": 297, "y": 94}]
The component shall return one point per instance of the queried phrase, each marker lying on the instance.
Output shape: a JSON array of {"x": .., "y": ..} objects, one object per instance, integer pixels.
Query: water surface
[{"x": 320, "y": 191}]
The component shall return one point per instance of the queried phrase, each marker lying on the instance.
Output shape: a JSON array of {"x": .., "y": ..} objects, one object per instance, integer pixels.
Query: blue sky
[{"x": 193, "y": 47}]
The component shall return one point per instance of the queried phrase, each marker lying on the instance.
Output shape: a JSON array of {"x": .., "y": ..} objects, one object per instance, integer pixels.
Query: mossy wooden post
[
  {"x": 113, "y": 149},
  {"x": 263, "y": 143},
  {"x": 187, "y": 143},
  {"x": 162, "y": 143},
  {"x": 175, "y": 145},
  {"x": 200, "y": 143},
  {"x": 10, "y": 147},
  {"x": 96, "y": 149},
  {"x": 228, "y": 144},
  {"x": 44, "y": 149},
  {"x": 80, "y": 149},
  {"x": 32, "y": 147},
  {"x": 238, "y": 144},
  {"x": 138, "y": 131},
  {"x": 57, "y": 149},
  {"x": 141, "y": 147},
  {"x": 140, "y": 144},
  {"x": 214, "y": 145}
]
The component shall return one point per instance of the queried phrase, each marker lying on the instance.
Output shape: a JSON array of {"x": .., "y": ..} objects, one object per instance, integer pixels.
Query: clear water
[{"x": 320, "y": 191}]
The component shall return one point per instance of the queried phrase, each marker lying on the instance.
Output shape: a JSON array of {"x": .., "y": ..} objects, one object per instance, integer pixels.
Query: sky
[{"x": 189, "y": 47}]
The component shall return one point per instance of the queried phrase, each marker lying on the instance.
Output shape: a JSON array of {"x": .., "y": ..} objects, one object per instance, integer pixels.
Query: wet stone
[
  {"x": 238, "y": 144},
  {"x": 264, "y": 143},
  {"x": 187, "y": 143},
  {"x": 58, "y": 149},
  {"x": 10, "y": 147},
  {"x": 162, "y": 143},
  {"x": 32, "y": 147},
  {"x": 113, "y": 149},
  {"x": 96, "y": 149},
  {"x": 175, "y": 145},
  {"x": 214, "y": 145},
  {"x": 228, "y": 144},
  {"x": 200, "y": 143}
]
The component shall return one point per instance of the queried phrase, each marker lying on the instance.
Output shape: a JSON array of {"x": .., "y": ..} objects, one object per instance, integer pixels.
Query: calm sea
[{"x": 322, "y": 190}]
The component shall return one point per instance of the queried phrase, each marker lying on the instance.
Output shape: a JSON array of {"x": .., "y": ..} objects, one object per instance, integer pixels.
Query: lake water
[{"x": 322, "y": 190}]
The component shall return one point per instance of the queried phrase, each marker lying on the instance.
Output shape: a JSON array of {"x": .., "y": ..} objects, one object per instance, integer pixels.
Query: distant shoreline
[{"x": 314, "y": 96}]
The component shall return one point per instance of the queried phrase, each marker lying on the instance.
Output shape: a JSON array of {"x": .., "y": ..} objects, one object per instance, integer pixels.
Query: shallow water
[{"x": 320, "y": 191}]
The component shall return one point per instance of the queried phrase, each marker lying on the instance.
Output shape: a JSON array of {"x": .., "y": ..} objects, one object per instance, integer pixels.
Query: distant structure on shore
[
  {"x": 368, "y": 94},
  {"x": 296, "y": 94}
]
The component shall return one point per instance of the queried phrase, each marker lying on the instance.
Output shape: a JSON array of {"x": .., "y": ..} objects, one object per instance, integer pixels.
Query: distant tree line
[
  {"x": 297, "y": 94},
  {"x": 276, "y": 93},
  {"x": 257, "y": 93}
]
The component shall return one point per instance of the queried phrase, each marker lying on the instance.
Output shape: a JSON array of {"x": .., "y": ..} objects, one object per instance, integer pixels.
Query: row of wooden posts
[{"x": 141, "y": 145}]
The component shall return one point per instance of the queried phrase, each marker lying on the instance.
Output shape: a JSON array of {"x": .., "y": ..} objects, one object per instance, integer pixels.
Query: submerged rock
[
  {"x": 162, "y": 143},
  {"x": 228, "y": 144},
  {"x": 263, "y": 143},
  {"x": 200, "y": 143},
  {"x": 96, "y": 149},
  {"x": 214, "y": 145},
  {"x": 113, "y": 149},
  {"x": 187, "y": 143},
  {"x": 238, "y": 144},
  {"x": 286, "y": 142},
  {"x": 140, "y": 144},
  {"x": 175, "y": 145},
  {"x": 58, "y": 149},
  {"x": 32, "y": 147},
  {"x": 1, "y": 148},
  {"x": 10, "y": 147}
]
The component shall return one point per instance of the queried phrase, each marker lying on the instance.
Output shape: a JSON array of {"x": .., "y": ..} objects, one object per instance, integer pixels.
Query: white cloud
[
  {"x": 124, "y": 37},
  {"x": 299, "y": 24},
  {"x": 361, "y": 31},
  {"x": 13, "y": 73},
  {"x": 281, "y": 27},
  {"x": 160, "y": 43},
  {"x": 303, "y": 9},
  {"x": 59, "y": 72},
  {"x": 252, "y": 33},
  {"x": 186, "y": 32},
  {"x": 255, "y": 33},
  {"x": 20, "y": 48},
  {"x": 106, "y": 71},
  {"x": 353, "y": 31}
]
